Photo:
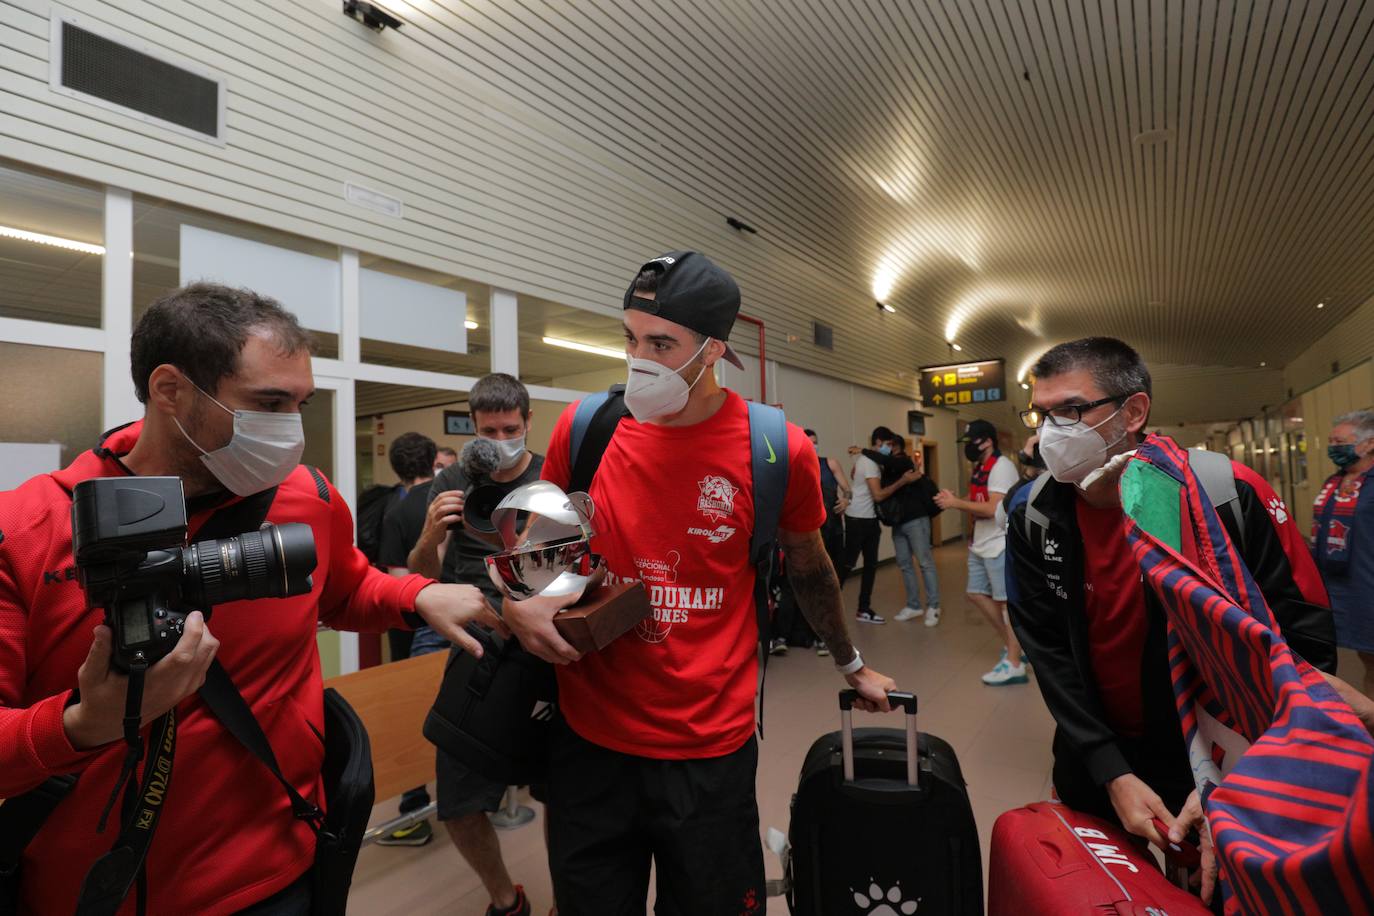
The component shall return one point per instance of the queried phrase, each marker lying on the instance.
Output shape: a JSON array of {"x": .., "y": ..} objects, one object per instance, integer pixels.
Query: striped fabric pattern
[{"x": 1284, "y": 766}]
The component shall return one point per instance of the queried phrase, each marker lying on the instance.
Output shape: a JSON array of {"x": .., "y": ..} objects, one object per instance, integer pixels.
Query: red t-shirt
[
  {"x": 674, "y": 509},
  {"x": 1117, "y": 624}
]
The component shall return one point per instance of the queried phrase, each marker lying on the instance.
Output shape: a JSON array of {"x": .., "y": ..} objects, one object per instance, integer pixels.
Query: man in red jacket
[{"x": 223, "y": 374}]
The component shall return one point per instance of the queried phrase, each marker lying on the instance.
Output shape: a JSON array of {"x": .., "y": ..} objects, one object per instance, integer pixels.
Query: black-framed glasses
[{"x": 1067, "y": 415}]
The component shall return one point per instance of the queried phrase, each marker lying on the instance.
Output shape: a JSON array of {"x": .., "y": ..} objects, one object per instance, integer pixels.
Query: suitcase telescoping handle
[{"x": 897, "y": 698}]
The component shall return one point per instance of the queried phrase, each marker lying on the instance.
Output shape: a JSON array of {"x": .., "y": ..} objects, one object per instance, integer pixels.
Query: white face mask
[
  {"x": 512, "y": 450},
  {"x": 654, "y": 390},
  {"x": 1073, "y": 452},
  {"x": 264, "y": 450}
]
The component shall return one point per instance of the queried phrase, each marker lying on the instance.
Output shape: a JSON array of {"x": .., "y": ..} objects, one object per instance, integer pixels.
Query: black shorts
[
  {"x": 462, "y": 791},
  {"x": 611, "y": 814}
]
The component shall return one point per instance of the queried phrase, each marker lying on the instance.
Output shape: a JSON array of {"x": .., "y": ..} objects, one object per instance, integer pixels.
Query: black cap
[
  {"x": 979, "y": 429},
  {"x": 693, "y": 292}
]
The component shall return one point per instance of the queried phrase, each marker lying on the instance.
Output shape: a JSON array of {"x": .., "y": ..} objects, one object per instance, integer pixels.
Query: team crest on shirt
[{"x": 717, "y": 498}]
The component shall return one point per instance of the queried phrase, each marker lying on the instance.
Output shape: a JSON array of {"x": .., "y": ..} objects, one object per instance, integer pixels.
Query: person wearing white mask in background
[
  {"x": 223, "y": 375},
  {"x": 1095, "y": 634},
  {"x": 653, "y": 757},
  {"x": 500, "y": 407}
]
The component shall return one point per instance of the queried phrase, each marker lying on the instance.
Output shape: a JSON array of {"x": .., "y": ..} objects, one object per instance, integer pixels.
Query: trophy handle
[{"x": 582, "y": 504}]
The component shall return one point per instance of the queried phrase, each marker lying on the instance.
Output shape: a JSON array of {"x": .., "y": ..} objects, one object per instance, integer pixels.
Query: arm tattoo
[{"x": 817, "y": 589}]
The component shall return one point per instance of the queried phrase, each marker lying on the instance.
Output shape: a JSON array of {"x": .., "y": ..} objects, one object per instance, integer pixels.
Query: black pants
[
  {"x": 292, "y": 900},
  {"x": 862, "y": 536},
  {"x": 611, "y": 814}
]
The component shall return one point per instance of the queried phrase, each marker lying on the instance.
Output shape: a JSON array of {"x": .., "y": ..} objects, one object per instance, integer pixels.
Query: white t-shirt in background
[
  {"x": 861, "y": 504},
  {"x": 990, "y": 534}
]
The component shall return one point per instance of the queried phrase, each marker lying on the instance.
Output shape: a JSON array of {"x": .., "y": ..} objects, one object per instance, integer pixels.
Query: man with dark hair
[
  {"x": 445, "y": 457},
  {"x": 500, "y": 406},
  {"x": 654, "y": 761},
  {"x": 223, "y": 374},
  {"x": 993, "y": 476},
  {"x": 1096, "y": 635},
  {"x": 412, "y": 459},
  {"x": 862, "y": 532}
]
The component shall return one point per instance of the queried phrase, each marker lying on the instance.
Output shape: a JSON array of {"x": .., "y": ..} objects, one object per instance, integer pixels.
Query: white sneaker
[
  {"x": 1004, "y": 674},
  {"x": 909, "y": 613},
  {"x": 932, "y": 617}
]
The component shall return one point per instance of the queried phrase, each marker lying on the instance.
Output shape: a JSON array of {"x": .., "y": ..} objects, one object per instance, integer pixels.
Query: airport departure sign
[{"x": 959, "y": 384}]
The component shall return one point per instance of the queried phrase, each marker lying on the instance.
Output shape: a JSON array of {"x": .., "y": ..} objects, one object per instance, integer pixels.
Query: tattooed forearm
[{"x": 817, "y": 588}]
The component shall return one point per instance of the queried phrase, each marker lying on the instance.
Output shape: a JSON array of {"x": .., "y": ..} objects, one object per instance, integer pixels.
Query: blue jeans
[{"x": 912, "y": 539}]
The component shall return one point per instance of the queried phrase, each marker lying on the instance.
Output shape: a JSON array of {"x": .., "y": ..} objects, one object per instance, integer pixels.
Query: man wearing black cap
[
  {"x": 654, "y": 756},
  {"x": 993, "y": 475}
]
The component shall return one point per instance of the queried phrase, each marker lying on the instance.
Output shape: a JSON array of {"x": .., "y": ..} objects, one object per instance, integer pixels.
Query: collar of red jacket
[{"x": 103, "y": 460}]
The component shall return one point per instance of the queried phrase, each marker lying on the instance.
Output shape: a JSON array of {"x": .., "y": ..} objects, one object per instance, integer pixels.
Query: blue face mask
[
  {"x": 1342, "y": 456},
  {"x": 885, "y": 449}
]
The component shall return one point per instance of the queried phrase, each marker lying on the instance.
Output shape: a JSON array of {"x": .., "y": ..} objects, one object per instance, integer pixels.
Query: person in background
[
  {"x": 914, "y": 496},
  {"x": 993, "y": 475},
  {"x": 445, "y": 457},
  {"x": 862, "y": 532},
  {"x": 412, "y": 459},
  {"x": 835, "y": 493},
  {"x": 1032, "y": 466},
  {"x": 1343, "y": 535},
  {"x": 500, "y": 406}
]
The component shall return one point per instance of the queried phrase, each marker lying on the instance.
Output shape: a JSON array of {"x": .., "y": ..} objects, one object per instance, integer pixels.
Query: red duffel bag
[{"x": 1050, "y": 859}]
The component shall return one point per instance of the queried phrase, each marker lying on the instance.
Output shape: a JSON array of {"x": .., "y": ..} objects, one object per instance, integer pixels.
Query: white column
[
  {"x": 346, "y": 482},
  {"x": 505, "y": 332},
  {"x": 350, "y": 347},
  {"x": 120, "y": 404}
]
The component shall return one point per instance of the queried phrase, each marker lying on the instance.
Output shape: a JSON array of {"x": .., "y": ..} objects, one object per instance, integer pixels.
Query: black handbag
[
  {"x": 349, "y": 794},
  {"x": 494, "y": 714}
]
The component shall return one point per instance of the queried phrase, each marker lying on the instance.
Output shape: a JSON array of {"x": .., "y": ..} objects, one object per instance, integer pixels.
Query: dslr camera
[{"x": 132, "y": 559}]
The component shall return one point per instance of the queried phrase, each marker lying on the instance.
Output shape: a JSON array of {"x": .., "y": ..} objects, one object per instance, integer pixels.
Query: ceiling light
[
  {"x": 470, "y": 325},
  {"x": 955, "y": 346},
  {"x": 1025, "y": 387},
  {"x": 585, "y": 348},
  {"x": 882, "y": 306},
  {"x": 53, "y": 240},
  {"x": 1321, "y": 305},
  {"x": 1263, "y": 364}
]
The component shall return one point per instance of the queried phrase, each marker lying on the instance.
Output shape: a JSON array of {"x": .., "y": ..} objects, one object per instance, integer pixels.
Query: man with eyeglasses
[{"x": 1094, "y": 632}]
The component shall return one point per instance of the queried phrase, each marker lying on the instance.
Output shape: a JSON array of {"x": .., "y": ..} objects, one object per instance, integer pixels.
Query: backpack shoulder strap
[
  {"x": 593, "y": 425},
  {"x": 768, "y": 451},
  {"x": 1037, "y": 522},
  {"x": 321, "y": 486},
  {"x": 1213, "y": 471},
  {"x": 768, "y": 460}
]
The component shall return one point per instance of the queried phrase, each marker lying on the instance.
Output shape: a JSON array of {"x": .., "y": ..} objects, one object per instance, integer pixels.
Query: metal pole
[{"x": 514, "y": 814}]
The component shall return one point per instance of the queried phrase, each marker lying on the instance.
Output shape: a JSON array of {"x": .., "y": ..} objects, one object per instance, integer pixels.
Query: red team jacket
[{"x": 227, "y": 838}]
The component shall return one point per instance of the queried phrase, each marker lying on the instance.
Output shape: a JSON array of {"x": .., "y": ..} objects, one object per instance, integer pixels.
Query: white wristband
[{"x": 853, "y": 665}]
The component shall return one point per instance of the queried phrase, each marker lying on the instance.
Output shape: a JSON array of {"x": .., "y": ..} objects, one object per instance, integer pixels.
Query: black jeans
[
  {"x": 611, "y": 814},
  {"x": 862, "y": 536}
]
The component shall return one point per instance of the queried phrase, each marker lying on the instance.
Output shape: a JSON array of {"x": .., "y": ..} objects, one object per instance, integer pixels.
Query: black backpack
[{"x": 373, "y": 505}]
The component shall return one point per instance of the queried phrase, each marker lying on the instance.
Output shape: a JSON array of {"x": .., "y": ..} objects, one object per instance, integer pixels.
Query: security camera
[{"x": 370, "y": 15}]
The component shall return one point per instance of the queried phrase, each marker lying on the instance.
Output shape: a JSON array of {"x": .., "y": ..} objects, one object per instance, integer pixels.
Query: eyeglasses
[{"x": 1067, "y": 415}]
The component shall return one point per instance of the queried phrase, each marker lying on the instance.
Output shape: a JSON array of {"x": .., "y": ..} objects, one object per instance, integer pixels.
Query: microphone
[{"x": 479, "y": 459}]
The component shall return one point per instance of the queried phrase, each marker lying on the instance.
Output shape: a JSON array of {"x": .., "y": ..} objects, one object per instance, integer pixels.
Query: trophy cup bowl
[{"x": 547, "y": 534}]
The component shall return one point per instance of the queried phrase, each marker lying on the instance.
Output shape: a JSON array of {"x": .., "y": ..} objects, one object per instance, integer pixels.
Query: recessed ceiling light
[
  {"x": 1025, "y": 387},
  {"x": 1263, "y": 364},
  {"x": 39, "y": 238},
  {"x": 885, "y": 307},
  {"x": 955, "y": 346},
  {"x": 585, "y": 348},
  {"x": 1321, "y": 305},
  {"x": 470, "y": 325}
]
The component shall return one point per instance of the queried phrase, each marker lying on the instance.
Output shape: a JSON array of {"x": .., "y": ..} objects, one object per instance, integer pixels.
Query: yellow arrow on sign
[
  {"x": 937, "y": 399},
  {"x": 935, "y": 381}
]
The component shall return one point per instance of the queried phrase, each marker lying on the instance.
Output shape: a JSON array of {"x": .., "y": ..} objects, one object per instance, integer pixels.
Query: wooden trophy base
[{"x": 603, "y": 616}]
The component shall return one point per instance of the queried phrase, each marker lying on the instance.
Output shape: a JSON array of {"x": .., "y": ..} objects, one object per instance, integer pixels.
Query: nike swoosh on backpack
[{"x": 772, "y": 456}]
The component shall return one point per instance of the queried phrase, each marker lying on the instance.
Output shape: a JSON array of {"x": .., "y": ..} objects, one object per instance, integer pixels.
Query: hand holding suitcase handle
[{"x": 897, "y": 698}]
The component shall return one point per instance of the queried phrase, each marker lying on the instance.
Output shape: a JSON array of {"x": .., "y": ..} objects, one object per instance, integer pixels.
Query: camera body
[{"x": 132, "y": 560}]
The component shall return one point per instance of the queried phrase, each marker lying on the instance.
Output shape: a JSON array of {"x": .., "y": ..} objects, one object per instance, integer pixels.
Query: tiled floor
[{"x": 1002, "y": 737}]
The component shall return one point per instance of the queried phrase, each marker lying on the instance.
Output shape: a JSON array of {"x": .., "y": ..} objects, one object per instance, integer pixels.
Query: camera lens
[{"x": 273, "y": 562}]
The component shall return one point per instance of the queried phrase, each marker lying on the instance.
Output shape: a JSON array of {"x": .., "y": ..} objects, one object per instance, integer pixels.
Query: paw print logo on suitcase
[{"x": 890, "y": 903}]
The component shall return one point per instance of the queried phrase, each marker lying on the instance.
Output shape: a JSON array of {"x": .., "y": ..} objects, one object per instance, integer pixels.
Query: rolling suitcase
[
  {"x": 1049, "y": 859},
  {"x": 877, "y": 826}
]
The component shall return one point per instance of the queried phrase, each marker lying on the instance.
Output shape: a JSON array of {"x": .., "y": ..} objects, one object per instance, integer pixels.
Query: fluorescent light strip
[
  {"x": 53, "y": 240},
  {"x": 585, "y": 348}
]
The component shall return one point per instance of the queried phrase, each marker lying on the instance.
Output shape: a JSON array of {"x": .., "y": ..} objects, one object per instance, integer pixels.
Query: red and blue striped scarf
[
  {"x": 1285, "y": 768},
  {"x": 1333, "y": 523}
]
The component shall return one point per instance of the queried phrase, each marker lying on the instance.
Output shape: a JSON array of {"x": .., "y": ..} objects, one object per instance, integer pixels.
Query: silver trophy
[{"x": 547, "y": 535}]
